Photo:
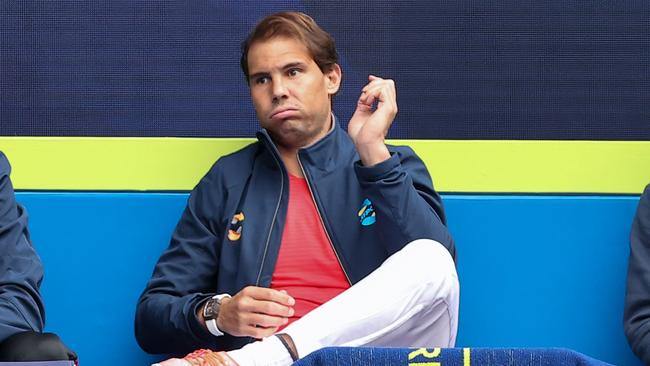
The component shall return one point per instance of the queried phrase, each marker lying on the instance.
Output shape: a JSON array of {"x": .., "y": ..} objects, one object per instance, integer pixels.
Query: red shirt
[{"x": 307, "y": 267}]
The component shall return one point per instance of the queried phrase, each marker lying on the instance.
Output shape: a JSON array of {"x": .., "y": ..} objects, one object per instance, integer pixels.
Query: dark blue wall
[{"x": 524, "y": 69}]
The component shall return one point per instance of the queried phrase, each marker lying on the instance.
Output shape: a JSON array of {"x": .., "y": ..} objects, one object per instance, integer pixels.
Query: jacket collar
[{"x": 327, "y": 154}]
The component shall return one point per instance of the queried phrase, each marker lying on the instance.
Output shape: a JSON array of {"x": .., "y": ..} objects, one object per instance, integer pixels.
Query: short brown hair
[{"x": 319, "y": 43}]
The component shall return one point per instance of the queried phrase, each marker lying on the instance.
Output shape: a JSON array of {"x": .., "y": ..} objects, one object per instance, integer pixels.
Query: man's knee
[
  {"x": 34, "y": 346},
  {"x": 428, "y": 262}
]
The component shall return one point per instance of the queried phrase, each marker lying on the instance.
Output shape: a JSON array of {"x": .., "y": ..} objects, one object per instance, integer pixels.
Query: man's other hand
[
  {"x": 369, "y": 127},
  {"x": 255, "y": 312}
]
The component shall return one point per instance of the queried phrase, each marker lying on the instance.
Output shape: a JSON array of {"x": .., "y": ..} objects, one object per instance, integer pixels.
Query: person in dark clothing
[
  {"x": 22, "y": 312},
  {"x": 637, "y": 299}
]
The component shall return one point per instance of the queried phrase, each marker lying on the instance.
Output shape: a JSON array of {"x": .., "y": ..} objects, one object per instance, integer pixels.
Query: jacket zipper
[
  {"x": 323, "y": 222},
  {"x": 275, "y": 214}
]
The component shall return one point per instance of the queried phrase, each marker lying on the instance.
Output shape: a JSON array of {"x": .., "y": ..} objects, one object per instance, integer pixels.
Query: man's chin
[{"x": 291, "y": 140}]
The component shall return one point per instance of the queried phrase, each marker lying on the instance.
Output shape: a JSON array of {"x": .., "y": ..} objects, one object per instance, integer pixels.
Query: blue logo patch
[{"x": 367, "y": 213}]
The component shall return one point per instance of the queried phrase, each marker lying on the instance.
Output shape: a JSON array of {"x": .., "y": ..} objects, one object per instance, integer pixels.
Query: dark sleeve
[
  {"x": 21, "y": 272},
  {"x": 637, "y": 300},
  {"x": 405, "y": 201},
  {"x": 185, "y": 275}
]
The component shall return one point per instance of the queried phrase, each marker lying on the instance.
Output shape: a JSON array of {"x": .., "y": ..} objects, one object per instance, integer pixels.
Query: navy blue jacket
[
  {"x": 201, "y": 260},
  {"x": 637, "y": 299},
  {"x": 21, "y": 272}
]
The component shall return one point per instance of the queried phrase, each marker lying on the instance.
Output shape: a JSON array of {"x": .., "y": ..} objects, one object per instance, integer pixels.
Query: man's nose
[{"x": 279, "y": 89}]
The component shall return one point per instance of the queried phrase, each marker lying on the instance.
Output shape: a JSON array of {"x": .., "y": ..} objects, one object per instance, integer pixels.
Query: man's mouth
[{"x": 284, "y": 113}]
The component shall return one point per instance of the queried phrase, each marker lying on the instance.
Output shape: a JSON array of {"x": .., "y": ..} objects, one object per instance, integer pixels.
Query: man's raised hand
[{"x": 368, "y": 127}]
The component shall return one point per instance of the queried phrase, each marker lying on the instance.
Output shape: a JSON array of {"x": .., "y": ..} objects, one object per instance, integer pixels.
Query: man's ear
[{"x": 333, "y": 76}]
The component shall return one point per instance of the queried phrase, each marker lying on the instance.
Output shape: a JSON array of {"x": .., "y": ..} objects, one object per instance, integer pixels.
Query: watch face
[{"x": 208, "y": 311}]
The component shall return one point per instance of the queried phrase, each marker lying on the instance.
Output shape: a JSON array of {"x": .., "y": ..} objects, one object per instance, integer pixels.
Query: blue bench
[{"x": 535, "y": 271}]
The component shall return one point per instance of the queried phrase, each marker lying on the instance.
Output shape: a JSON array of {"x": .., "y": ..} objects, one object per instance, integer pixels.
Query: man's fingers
[
  {"x": 366, "y": 99},
  {"x": 377, "y": 81},
  {"x": 242, "y": 322},
  {"x": 263, "y": 293},
  {"x": 259, "y": 332},
  {"x": 266, "y": 321},
  {"x": 271, "y": 308},
  {"x": 380, "y": 89},
  {"x": 266, "y": 301},
  {"x": 281, "y": 298},
  {"x": 250, "y": 305}
]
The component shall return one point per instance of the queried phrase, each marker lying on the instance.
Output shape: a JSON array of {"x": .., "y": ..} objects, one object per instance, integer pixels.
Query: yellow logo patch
[{"x": 235, "y": 228}]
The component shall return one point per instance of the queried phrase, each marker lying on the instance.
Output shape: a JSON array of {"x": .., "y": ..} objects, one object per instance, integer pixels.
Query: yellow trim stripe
[
  {"x": 82, "y": 163},
  {"x": 466, "y": 357},
  {"x": 536, "y": 166}
]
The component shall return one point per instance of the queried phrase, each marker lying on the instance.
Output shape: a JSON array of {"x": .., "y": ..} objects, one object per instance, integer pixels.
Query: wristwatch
[{"x": 211, "y": 312}]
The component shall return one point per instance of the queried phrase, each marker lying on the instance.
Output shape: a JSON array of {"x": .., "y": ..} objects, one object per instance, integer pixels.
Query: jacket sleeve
[
  {"x": 404, "y": 200},
  {"x": 637, "y": 300},
  {"x": 21, "y": 272},
  {"x": 185, "y": 275}
]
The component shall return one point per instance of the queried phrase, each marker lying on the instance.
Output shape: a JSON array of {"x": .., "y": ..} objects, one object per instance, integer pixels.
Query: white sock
[{"x": 267, "y": 352}]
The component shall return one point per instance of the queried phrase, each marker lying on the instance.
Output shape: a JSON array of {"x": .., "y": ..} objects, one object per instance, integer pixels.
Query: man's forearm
[
  {"x": 373, "y": 154},
  {"x": 167, "y": 323}
]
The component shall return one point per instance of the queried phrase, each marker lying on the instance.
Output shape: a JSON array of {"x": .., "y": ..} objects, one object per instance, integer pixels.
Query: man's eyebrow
[
  {"x": 291, "y": 65},
  {"x": 258, "y": 74}
]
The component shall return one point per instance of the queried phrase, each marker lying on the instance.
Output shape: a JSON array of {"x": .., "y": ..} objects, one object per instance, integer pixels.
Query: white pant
[{"x": 411, "y": 300}]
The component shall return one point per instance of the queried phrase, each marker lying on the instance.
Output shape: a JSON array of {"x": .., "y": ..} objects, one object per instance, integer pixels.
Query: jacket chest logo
[
  {"x": 367, "y": 213},
  {"x": 235, "y": 228}
]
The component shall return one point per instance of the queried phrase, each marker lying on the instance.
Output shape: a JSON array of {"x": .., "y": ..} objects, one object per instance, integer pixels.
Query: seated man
[
  {"x": 310, "y": 237},
  {"x": 21, "y": 273},
  {"x": 637, "y": 300}
]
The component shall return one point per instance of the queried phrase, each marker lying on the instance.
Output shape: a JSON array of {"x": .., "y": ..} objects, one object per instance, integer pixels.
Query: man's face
[{"x": 291, "y": 95}]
